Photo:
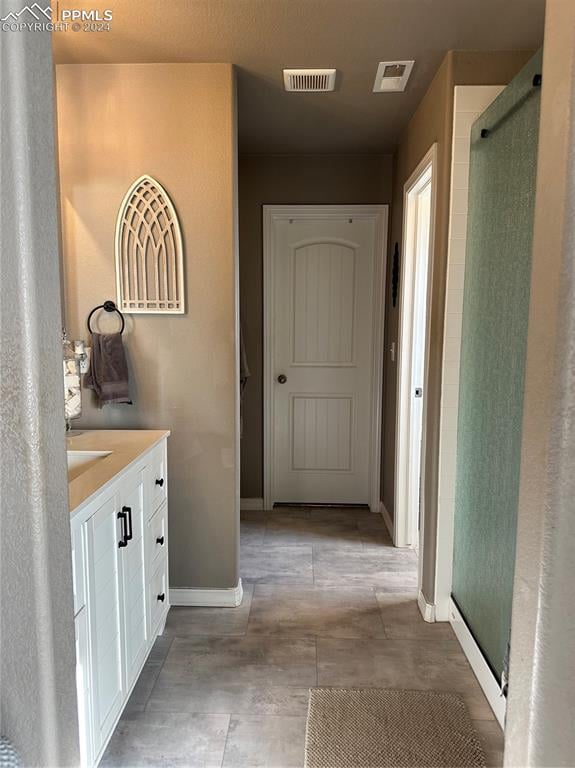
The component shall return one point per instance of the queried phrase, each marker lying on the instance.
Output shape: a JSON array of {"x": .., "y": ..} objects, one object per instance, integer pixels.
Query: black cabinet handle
[
  {"x": 130, "y": 535},
  {"x": 123, "y": 517},
  {"x": 160, "y": 541},
  {"x": 160, "y": 482},
  {"x": 162, "y": 597}
]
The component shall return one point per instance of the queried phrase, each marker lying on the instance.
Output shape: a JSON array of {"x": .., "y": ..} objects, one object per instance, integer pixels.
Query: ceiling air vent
[
  {"x": 309, "y": 80},
  {"x": 392, "y": 76}
]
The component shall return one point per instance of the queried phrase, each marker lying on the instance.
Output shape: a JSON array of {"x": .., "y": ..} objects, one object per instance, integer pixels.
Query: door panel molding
[{"x": 378, "y": 214}]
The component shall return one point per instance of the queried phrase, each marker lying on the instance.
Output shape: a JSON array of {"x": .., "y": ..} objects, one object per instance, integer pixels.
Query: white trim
[
  {"x": 252, "y": 504},
  {"x": 469, "y": 102},
  {"x": 386, "y": 518},
  {"x": 480, "y": 667},
  {"x": 208, "y": 598},
  {"x": 426, "y": 609},
  {"x": 380, "y": 214},
  {"x": 404, "y": 535}
]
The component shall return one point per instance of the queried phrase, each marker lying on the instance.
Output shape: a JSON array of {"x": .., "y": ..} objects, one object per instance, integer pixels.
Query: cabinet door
[
  {"x": 103, "y": 539},
  {"x": 134, "y": 578},
  {"x": 83, "y": 687}
]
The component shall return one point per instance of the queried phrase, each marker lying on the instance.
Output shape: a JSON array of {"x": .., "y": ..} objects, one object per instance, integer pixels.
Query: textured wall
[
  {"x": 177, "y": 123},
  {"x": 493, "y": 344},
  {"x": 37, "y": 653},
  {"x": 432, "y": 122},
  {"x": 287, "y": 180},
  {"x": 541, "y": 701}
]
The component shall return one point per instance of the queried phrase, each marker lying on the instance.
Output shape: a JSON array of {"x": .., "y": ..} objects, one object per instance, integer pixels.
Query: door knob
[{"x": 282, "y": 378}]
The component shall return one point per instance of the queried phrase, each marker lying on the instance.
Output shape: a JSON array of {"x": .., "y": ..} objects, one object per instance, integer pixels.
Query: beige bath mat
[{"x": 380, "y": 728}]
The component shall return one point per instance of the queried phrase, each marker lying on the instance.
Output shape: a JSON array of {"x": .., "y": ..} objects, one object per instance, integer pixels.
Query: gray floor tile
[
  {"x": 319, "y": 527},
  {"x": 492, "y": 739},
  {"x": 258, "y": 740},
  {"x": 315, "y": 612},
  {"x": 357, "y": 624},
  {"x": 160, "y": 649},
  {"x": 343, "y": 516},
  {"x": 375, "y": 538},
  {"x": 391, "y": 570},
  {"x": 277, "y": 565},
  {"x": 434, "y": 664},
  {"x": 253, "y": 516},
  {"x": 252, "y": 527},
  {"x": 221, "y": 661},
  {"x": 184, "y": 622},
  {"x": 148, "y": 676},
  {"x": 402, "y": 618},
  {"x": 169, "y": 696},
  {"x": 160, "y": 739}
]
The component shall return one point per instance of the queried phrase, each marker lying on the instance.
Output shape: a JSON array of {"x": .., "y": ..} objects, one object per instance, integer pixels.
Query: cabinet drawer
[
  {"x": 158, "y": 535},
  {"x": 158, "y": 477},
  {"x": 78, "y": 577},
  {"x": 158, "y": 595}
]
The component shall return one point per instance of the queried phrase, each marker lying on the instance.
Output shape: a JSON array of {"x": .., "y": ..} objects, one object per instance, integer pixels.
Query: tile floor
[{"x": 327, "y": 601}]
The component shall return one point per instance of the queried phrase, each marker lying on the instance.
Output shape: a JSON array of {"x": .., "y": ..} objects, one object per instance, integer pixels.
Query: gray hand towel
[{"x": 108, "y": 374}]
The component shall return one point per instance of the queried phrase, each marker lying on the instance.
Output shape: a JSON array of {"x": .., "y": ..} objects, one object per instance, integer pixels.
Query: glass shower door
[{"x": 494, "y": 335}]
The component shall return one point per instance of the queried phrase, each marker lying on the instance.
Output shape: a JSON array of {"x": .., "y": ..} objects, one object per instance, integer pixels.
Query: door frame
[
  {"x": 379, "y": 213},
  {"x": 404, "y": 534}
]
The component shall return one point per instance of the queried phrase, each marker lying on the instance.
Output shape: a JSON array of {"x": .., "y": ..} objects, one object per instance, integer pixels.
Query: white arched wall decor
[{"x": 149, "y": 251}]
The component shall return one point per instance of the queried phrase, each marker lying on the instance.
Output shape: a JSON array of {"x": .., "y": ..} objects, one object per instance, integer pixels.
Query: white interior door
[
  {"x": 325, "y": 282},
  {"x": 421, "y": 211},
  {"x": 413, "y": 344}
]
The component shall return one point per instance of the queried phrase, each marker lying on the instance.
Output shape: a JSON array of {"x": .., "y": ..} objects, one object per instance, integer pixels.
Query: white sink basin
[{"x": 80, "y": 461}]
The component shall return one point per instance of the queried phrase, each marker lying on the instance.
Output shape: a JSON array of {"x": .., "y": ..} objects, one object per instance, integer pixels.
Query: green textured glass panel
[{"x": 493, "y": 347}]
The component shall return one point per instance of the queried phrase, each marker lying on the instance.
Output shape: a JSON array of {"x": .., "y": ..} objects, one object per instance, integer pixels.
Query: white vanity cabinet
[{"x": 121, "y": 599}]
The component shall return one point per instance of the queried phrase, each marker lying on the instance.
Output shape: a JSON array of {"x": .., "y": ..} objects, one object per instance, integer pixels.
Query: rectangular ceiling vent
[
  {"x": 392, "y": 76},
  {"x": 309, "y": 80}
]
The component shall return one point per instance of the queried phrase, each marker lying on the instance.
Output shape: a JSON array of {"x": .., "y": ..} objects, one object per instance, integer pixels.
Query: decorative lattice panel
[{"x": 149, "y": 252}]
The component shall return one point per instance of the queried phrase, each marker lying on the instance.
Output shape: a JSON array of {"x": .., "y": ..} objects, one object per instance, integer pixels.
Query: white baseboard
[
  {"x": 480, "y": 667},
  {"x": 387, "y": 519},
  {"x": 426, "y": 609},
  {"x": 251, "y": 504},
  {"x": 208, "y": 598}
]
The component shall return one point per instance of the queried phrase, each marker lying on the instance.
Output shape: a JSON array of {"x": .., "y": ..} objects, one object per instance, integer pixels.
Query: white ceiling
[{"x": 262, "y": 36}]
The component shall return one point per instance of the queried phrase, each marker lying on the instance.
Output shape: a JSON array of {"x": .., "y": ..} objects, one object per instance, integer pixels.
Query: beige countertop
[{"x": 125, "y": 447}]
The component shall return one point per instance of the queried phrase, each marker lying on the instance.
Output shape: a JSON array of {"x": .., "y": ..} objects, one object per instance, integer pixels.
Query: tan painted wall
[
  {"x": 432, "y": 122},
  {"x": 297, "y": 180},
  {"x": 177, "y": 123}
]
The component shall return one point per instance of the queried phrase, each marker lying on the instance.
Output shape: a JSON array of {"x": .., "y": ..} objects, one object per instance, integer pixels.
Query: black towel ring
[{"x": 107, "y": 306}]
